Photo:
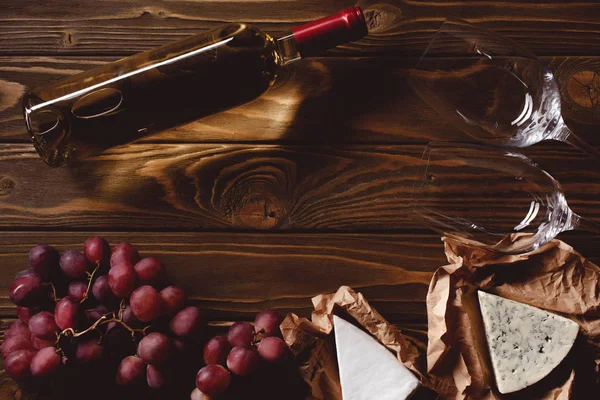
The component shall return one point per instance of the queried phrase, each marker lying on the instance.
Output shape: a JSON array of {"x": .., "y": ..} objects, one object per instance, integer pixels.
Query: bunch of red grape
[
  {"x": 241, "y": 353},
  {"x": 97, "y": 306}
]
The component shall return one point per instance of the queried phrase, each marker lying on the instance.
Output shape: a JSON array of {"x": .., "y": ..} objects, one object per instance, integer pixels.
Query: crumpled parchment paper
[
  {"x": 454, "y": 364},
  {"x": 554, "y": 277},
  {"x": 313, "y": 336}
]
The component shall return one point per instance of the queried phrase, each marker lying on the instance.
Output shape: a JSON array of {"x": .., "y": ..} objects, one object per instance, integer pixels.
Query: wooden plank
[
  {"x": 319, "y": 101},
  {"x": 212, "y": 187},
  {"x": 243, "y": 187},
  {"x": 235, "y": 275},
  {"x": 126, "y": 26}
]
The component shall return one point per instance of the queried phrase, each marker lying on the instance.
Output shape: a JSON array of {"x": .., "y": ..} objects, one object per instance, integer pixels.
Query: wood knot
[
  {"x": 578, "y": 79},
  {"x": 68, "y": 39},
  {"x": 257, "y": 195},
  {"x": 6, "y": 186},
  {"x": 152, "y": 13},
  {"x": 251, "y": 188},
  {"x": 259, "y": 213},
  {"x": 584, "y": 88},
  {"x": 382, "y": 18}
]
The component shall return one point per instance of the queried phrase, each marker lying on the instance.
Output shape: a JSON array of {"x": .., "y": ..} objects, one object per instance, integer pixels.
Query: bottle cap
[{"x": 344, "y": 26}]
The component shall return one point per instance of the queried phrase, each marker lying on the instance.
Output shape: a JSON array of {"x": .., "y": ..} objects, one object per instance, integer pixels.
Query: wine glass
[
  {"x": 491, "y": 88},
  {"x": 487, "y": 194}
]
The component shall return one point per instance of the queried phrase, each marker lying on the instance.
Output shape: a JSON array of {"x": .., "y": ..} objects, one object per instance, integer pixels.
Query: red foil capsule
[{"x": 344, "y": 26}]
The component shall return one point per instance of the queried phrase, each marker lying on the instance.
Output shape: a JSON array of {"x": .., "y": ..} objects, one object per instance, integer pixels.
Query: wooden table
[{"x": 292, "y": 195}]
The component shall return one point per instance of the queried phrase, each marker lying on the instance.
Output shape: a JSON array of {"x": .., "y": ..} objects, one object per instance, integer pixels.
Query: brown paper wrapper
[
  {"x": 313, "y": 337},
  {"x": 555, "y": 278}
]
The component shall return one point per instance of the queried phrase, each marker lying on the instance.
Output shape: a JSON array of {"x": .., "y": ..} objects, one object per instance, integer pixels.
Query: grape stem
[
  {"x": 90, "y": 281},
  {"x": 121, "y": 308},
  {"x": 56, "y": 299},
  {"x": 105, "y": 319}
]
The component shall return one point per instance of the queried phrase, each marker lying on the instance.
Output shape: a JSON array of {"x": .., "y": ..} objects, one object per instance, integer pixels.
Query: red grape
[
  {"x": 173, "y": 299},
  {"x": 216, "y": 350},
  {"x": 17, "y": 328},
  {"x": 18, "y": 363},
  {"x": 15, "y": 343},
  {"x": 155, "y": 377},
  {"x": 43, "y": 259},
  {"x": 102, "y": 291},
  {"x": 241, "y": 334},
  {"x": 94, "y": 314},
  {"x": 44, "y": 362},
  {"x": 213, "y": 380},
  {"x": 36, "y": 347},
  {"x": 151, "y": 271},
  {"x": 183, "y": 346},
  {"x": 123, "y": 253},
  {"x": 43, "y": 325},
  {"x": 154, "y": 348},
  {"x": 118, "y": 342},
  {"x": 130, "y": 319},
  {"x": 145, "y": 303},
  {"x": 39, "y": 344},
  {"x": 243, "y": 360},
  {"x": 130, "y": 370},
  {"x": 74, "y": 264},
  {"x": 267, "y": 322},
  {"x": 273, "y": 349},
  {"x": 96, "y": 249},
  {"x": 65, "y": 313},
  {"x": 89, "y": 351},
  {"x": 122, "y": 280},
  {"x": 25, "y": 313},
  {"x": 26, "y": 290},
  {"x": 186, "y": 322},
  {"x": 77, "y": 290}
]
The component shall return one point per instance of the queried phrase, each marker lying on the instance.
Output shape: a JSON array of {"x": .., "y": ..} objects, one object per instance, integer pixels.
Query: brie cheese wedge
[
  {"x": 524, "y": 342},
  {"x": 368, "y": 370}
]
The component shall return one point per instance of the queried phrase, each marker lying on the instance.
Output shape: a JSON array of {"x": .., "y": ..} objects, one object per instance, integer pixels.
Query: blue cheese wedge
[
  {"x": 525, "y": 343},
  {"x": 369, "y": 371}
]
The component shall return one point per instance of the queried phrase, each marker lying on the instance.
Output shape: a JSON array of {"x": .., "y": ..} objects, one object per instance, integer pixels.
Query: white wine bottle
[{"x": 121, "y": 102}]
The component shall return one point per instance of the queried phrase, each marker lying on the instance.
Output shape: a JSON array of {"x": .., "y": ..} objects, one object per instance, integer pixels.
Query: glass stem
[
  {"x": 583, "y": 224},
  {"x": 567, "y": 136}
]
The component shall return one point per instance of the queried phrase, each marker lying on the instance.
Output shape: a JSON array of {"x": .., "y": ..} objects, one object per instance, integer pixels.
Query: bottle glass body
[{"x": 120, "y": 102}]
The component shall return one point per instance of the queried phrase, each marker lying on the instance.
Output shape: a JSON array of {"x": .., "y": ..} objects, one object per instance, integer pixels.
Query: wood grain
[
  {"x": 318, "y": 101},
  {"x": 250, "y": 187},
  {"x": 294, "y": 194},
  {"x": 213, "y": 187},
  {"x": 124, "y": 27},
  {"x": 235, "y": 275}
]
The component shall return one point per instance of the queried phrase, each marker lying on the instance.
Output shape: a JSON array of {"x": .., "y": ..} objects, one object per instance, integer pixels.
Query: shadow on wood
[{"x": 359, "y": 101}]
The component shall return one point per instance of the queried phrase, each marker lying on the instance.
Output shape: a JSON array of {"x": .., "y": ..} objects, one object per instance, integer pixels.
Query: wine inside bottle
[{"x": 121, "y": 102}]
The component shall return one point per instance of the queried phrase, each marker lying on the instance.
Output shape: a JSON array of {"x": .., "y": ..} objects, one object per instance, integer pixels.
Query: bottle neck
[
  {"x": 314, "y": 37},
  {"x": 288, "y": 50}
]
